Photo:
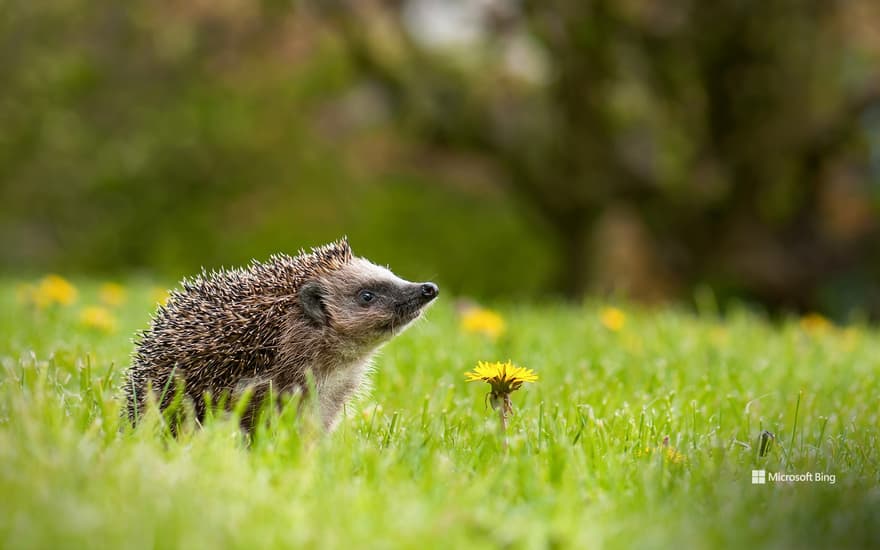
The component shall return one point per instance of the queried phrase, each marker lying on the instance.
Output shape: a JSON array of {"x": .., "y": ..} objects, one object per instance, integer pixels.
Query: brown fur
[{"x": 268, "y": 325}]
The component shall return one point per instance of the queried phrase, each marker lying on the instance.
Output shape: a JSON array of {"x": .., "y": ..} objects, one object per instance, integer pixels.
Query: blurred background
[{"x": 510, "y": 149}]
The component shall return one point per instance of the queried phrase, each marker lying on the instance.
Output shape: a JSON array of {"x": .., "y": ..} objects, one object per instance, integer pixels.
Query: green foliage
[
  {"x": 734, "y": 134},
  {"x": 419, "y": 463},
  {"x": 152, "y": 139},
  {"x": 736, "y": 138}
]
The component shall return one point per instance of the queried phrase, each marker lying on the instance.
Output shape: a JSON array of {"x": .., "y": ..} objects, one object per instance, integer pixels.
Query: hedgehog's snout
[
  {"x": 429, "y": 291},
  {"x": 413, "y": 298}
]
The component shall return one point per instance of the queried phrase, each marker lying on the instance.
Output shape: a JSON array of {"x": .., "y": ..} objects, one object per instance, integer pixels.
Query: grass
[{"x": 420, "y": 463}]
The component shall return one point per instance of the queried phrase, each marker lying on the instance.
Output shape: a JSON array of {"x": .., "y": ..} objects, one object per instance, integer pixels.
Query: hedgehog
[{"x": 284, "y": 326}]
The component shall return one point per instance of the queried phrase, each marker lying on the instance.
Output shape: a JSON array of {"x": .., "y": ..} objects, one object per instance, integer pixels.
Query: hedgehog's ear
[{"x": 311, "y": 296}]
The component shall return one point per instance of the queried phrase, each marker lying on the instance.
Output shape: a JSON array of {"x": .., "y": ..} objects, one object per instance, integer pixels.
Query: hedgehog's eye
[{"x": 365, "y": 297}]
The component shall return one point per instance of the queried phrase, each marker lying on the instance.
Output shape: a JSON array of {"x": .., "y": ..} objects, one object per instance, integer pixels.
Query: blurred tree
[
  {"x": 110, "y": 138},
  {"x": 732, "y": 130},
  {"x": 162, "y": 136}
]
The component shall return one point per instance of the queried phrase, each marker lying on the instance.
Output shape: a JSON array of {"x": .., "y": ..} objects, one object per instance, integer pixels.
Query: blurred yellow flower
[
  {"x": 160, "y": 295},
  {"x": 483, "y": 321},
  {"x": 851, "y": 337},
  {"x": 112, "y": 294},
  {"x": 50, "y": 290},
  {"x": 613, "y": 318},
  {"x": 674, "y": 456},
  {"x": 669, "y": 453},
  {"x": 98, "y": 318},
  {"x": 815, "y": 323}
]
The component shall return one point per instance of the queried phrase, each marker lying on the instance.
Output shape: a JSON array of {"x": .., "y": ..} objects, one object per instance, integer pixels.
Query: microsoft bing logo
[{"x": 761, "y": 477}]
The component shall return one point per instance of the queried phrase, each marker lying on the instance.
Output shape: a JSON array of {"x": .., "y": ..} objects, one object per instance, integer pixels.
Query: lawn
[{"x": 642, "y": 431}]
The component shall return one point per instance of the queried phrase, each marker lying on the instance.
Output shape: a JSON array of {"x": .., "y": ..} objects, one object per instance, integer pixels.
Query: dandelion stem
[
  {"x": 501, "y": 403},
  {"x": 502, "y": 416}
]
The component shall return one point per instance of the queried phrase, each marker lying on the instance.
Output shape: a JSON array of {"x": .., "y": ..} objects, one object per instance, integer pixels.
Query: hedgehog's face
[{"x": 364, "y": 303}]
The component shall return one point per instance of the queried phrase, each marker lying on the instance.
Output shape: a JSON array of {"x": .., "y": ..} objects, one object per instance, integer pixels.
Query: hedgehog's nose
[{"x": 430, "y": 291}]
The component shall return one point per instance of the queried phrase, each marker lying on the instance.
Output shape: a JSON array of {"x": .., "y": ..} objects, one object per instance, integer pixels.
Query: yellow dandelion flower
[
  {"x": 815, "y": 323},
  {"x": 52, "y": 289},
  {"x": 112, "y": 294},
  {"x": 160, "y": 295},
  {"x": 97, "y": 318},
  {"x": 612, "y": 318},
  {"x": 477, "y": 320},
  {"x": 503, "y": 377}
]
